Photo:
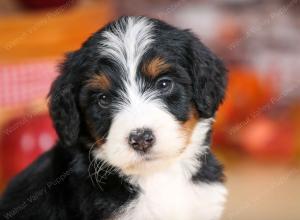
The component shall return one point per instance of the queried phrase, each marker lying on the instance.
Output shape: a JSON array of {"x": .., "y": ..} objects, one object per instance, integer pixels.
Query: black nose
[{"x": 141, "y": 139}]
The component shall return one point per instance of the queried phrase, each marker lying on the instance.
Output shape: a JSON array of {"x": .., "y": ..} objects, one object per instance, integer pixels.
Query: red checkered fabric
[{"x": 22, "y": 83}]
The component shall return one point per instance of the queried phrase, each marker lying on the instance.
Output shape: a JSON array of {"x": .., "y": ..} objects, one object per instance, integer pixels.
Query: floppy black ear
[
  {"x": 62, "y": 106},
  {"x": 209, "y": 78}
]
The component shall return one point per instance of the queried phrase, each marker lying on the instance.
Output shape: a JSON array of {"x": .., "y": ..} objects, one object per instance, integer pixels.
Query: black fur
[{"x": 60, "y": 184}]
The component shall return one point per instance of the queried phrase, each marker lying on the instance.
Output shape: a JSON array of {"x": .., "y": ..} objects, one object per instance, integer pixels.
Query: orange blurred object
[
  {"x": 245, "y": 94},
  {"x": 268, "y": 139},
  {"x": 245, "y": 97},
  {"x": 49, "y": 34}
]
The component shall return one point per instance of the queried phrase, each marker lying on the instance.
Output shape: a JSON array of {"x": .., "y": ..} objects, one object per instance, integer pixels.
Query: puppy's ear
[
  {"x": 209, "y": 78},
  {"x": 62, "y": 106}
]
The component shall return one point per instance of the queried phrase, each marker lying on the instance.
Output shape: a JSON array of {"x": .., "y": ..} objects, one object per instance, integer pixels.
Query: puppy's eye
[
  {"x": 103, "y": 100},
  {"x": 164, "y": 85}
]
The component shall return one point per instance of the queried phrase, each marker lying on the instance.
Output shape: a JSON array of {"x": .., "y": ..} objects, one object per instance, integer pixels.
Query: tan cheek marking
[
  {"x": 155, "y": 67},
  {"x": 189, "y": 125},
  {"x": 98, "y": 140},
  {"x": 100, "y": 81}
]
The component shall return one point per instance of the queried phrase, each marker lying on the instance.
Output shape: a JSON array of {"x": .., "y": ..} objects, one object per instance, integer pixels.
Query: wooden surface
[
  {"x": 262, "y": 191},
  {"x": 30, "y": 35}
]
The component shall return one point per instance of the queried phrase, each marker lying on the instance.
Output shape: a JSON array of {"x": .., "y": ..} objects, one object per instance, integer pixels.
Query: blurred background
[{"x": 257, "y": 132}]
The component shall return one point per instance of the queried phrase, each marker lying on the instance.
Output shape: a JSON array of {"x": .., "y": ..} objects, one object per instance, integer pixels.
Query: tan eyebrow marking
[
  {"x": 155, "y": 67},
  {"x": 100, "y": 81}
]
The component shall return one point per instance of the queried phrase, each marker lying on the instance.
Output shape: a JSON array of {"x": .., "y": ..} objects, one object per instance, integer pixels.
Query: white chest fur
[{"x": 173, "y": 196}]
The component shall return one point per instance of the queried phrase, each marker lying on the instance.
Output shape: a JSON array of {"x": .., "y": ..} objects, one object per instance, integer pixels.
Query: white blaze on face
[{"x": 126, "y": 44}]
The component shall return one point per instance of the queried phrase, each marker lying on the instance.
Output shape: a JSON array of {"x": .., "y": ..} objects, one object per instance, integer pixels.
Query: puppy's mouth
[
  {"x": 149, "y": 163},
  {"x": 150, "y": 157}
]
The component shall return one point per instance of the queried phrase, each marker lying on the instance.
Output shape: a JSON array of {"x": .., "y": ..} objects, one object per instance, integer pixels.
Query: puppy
[{"x": 133, "y": 109}]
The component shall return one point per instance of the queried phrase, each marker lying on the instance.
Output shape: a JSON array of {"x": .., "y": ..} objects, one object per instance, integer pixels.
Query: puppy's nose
[{"x": 141, "y": 139}]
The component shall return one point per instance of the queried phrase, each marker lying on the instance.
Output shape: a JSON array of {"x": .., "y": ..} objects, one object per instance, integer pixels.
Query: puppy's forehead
[{"x": 125, "y": 42}]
